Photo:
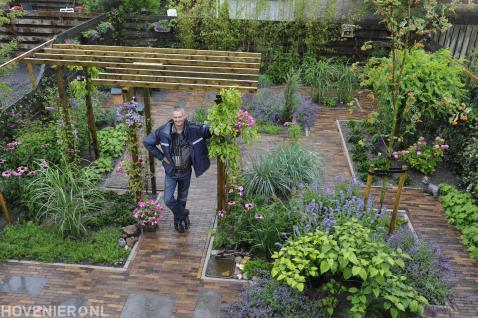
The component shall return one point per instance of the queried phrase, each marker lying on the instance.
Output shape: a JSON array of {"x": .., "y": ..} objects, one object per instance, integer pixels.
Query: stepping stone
[
  {"x": 75, "y": 302},
  {"x": 148, "y": 306},
  {"x": 23, "y": 284},
  {"x": 208, "y": 305}
]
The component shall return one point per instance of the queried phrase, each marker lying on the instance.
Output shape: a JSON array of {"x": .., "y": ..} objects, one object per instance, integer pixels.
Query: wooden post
[
  {"x": 3, "y": 205},
  {"x": 221, "y": 184},
  {"x": 371, "y": 170},
  {"x": 128, "y": 95},
  {"x": 90, "y": 115},
  {"x": 32, "y": 74},
  {"x": 396, "y": 204},
  {"x": 147, "y": 116},
  {"x": 135, "y": 158},
  {"x": 66, "y": 115}
]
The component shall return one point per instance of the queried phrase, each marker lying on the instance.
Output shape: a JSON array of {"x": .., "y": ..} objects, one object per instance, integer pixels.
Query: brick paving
[{"x": 167, "y": 264}]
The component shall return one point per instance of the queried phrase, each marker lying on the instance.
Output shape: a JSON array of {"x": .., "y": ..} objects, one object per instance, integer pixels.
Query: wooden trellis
[{"x": 144, "y": 67}]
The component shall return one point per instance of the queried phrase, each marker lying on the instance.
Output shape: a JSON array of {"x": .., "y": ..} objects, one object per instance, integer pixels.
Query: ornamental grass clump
[
  {"x": 280, "y": 172},
  {"x": 64, "y": 198}
]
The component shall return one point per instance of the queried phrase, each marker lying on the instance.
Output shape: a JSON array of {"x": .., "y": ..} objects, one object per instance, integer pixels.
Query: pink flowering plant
[
  {"x": 148, "y": 213},
  {"x": 251, "y": 223},
  {"x": 423, "y": 156},
  {"x": 228, "y": 123}
]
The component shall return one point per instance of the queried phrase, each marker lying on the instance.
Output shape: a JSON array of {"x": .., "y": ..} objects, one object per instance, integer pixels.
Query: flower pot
[{"x": 150, "y": 228}]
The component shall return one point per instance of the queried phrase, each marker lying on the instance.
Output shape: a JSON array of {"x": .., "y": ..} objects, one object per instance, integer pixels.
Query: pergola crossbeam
[
  {"x": 156, "y": 50},
  {"x": 224, "y": 58},
  {"x": 146, "y": 84},
  {"x": 135, "y": 65},
  {"x": 131, "y": 59},
  {"x": 177, "y": 79},
  {"x": 136, "y": 71}
]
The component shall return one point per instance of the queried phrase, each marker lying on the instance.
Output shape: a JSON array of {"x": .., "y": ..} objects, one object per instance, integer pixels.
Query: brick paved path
[{"x": 167, "y": 264}]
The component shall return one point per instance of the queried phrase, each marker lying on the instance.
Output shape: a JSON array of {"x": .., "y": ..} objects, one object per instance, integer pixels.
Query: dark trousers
[{"x": 177, "y": 205}]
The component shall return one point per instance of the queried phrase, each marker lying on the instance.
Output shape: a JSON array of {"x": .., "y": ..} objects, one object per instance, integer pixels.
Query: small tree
[{"x": 405, "y": 20}]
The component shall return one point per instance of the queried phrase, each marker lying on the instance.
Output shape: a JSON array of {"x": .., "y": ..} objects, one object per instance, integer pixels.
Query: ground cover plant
[{"x": 462, "y": 211}]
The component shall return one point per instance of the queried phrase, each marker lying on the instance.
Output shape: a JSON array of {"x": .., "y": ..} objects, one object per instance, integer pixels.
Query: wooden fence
[
  {"x": 36, "y": 27},
  {"x": 462, "y": 40}
]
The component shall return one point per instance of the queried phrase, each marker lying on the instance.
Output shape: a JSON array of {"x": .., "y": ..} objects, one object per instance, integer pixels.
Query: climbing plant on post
[
  {"x": 228, "y": 123},
  {"x": 128, "y": 115},
  {"x": 406, "y": 21},
  {"x": 67, "y": 133}
]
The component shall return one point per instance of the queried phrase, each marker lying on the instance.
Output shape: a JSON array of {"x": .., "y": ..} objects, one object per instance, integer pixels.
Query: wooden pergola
[{"x": 145, "y": 67}]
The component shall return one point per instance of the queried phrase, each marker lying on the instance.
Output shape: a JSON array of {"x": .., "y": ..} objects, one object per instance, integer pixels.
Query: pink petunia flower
[
  {"x": 445, "y": 146},
  {"x": 259, "y": 216},
  {"x": 230, "y": 203},
  {"x": 2, "y": 161},
  {"x": 230, "y": 191},
  {"x": 32, "y": 173},
  {"x": 221, "y": 213},
  {"x": 6, "y": 173},
  {"x": 419, "y": 153},
  {"x": 248, "y": 206}
]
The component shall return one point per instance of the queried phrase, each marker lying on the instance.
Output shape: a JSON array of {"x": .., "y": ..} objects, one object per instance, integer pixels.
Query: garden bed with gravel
[{"x": 376, "y": 154}]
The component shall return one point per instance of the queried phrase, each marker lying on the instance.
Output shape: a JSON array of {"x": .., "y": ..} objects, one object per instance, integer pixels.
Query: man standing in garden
[{"x": 183, "y": 145}]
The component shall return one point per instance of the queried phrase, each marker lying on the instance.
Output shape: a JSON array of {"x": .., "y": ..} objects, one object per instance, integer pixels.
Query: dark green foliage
[
  {"x": 200, "y": 115},
  {"x": 280, "y": 66},
  {"x": 257, "y": 229},
  {"x": 114, "y": 210},
  {"x": 462, "y": 212},
  {"x": 354, "y": 138},
  {"x": 41, "y": 243},
  {"x": 270, "y": 129},
  {"x": 257, "y": 267}
]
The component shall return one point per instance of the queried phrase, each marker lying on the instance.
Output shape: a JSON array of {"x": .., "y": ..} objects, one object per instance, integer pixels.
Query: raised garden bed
[{"x": 414, "y": 178}]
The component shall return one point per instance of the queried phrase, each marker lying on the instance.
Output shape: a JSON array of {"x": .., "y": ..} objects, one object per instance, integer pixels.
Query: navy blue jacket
[{"x": 196, "y": 136}]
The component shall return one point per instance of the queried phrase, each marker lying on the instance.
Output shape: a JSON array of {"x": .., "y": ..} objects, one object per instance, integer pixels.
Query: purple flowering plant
[
  {"x": 322, "y": 208},
  {"x": 128, "y": 114},
  {"x": 266, "y": 106},
  {"x": 427, "y": 270},
  {"x": 266, "y": 297}
]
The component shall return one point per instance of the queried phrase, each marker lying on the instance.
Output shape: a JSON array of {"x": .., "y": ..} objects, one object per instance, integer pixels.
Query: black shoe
[
  {"x": 178, "y": 226},
  {"x": 187, "y": 223}
]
